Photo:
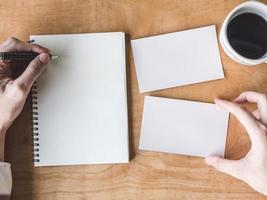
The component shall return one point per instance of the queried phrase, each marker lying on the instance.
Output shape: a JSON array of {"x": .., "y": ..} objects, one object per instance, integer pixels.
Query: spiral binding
[{"x": 35, "y": 125}]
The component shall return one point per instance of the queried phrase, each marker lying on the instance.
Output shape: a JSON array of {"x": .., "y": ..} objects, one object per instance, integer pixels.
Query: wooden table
[{"x": 149, "y": 175}]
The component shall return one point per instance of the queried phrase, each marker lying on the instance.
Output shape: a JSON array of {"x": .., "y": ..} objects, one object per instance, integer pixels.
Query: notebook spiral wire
[{"x": 35, "y": 124}]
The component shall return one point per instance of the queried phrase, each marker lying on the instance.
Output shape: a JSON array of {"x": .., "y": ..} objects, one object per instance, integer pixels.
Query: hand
[
  {"x": 251, "y": 169},
  {"x": 13, "y": 92}
]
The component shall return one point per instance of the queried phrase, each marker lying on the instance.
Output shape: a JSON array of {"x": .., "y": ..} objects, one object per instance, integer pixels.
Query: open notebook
[{"x": 80, "y": 101}]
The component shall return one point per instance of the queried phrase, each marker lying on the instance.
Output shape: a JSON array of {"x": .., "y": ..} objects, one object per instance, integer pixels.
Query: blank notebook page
[
  {"x": 82, "y": 101},
  {"x": 183, "y": 127},
  {"x": 177, "y": 59}
]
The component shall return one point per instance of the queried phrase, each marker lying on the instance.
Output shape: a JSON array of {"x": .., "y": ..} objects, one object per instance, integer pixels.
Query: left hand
[{"x": 252, "y": 168}]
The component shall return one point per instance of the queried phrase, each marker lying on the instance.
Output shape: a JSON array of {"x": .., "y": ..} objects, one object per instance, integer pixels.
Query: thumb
[
  {"x": 231, "y": 167},
  {"x": 34, "y": 69}
]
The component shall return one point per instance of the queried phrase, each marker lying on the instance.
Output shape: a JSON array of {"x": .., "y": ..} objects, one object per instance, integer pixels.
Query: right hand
[
  {"x": 14, "y": 90},
  {"x": 251, "y": 169}
]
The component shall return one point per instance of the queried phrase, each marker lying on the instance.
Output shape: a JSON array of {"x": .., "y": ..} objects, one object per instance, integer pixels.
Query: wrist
[
  {"x": 3, "y": 130},
  {"x": 2, "y": 142}
]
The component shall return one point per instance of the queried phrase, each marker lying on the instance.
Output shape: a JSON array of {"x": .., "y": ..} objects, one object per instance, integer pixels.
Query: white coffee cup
[{"x": 247, "y": 7}]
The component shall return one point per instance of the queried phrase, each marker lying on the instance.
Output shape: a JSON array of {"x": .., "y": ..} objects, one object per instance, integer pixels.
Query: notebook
[
  {"x": 183, "y": 127},
  {"x": 177, "y": 59},
  {"x": 80, "y": 101}
]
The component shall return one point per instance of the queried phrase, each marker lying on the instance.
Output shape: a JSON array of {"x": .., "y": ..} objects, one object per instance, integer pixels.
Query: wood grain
[{"x": 149, "y": 175}]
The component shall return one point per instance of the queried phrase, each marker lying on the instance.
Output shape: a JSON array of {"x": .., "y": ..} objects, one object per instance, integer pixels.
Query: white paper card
[
  {"x": 82, "y": 100},
  {"x": 177, "y": 59},
  {"x": 183, "y": 127}
]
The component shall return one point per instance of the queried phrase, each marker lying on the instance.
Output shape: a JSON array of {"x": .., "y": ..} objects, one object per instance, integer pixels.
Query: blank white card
[
  {"x": 183, "y": 127},
  {"x": 177, "y": 59}
]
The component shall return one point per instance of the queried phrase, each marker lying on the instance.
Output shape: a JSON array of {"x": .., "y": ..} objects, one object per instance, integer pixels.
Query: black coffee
[{"x": 247, "y": 34}]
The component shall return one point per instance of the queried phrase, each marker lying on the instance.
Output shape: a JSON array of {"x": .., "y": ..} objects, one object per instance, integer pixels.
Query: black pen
[{"x": 22, "y": 56}]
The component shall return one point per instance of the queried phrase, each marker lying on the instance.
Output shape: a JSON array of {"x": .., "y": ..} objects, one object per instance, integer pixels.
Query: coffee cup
[{"x": 247, "y": 7}]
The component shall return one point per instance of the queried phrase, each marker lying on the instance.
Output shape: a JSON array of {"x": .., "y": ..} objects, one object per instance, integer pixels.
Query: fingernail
[
  {"x": 216, "y": 100},
  {"x": 237, "y": 100},
  {"x": 48, "y": 50},
  {"x": 44, "y": 58},
  {"x": 209, "y": 160},
  {"x": 219, "y": 101}
]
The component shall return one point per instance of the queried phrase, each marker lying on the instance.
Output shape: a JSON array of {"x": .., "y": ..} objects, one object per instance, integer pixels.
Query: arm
[
  {"x": 13, "y": 94},
  {"x": 252, "y": 169}
]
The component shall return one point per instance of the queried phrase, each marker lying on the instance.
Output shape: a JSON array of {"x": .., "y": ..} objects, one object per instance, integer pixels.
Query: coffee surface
[{"x": 247, "y": 34}]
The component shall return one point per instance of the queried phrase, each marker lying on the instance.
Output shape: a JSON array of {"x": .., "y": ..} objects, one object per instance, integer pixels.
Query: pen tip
[{"x": 54, "y": 57}]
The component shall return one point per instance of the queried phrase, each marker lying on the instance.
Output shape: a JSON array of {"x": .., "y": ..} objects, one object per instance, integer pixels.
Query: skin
[
  {"x": 250, "y": 169},
  {"x": 14, "y": 91}
]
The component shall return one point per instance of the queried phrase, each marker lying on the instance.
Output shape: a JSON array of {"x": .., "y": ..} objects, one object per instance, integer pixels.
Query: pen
[{"x": 22, "y": 56}]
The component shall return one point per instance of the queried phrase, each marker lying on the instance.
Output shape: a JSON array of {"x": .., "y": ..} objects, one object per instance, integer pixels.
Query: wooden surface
[{"x": 149, "y": 175}]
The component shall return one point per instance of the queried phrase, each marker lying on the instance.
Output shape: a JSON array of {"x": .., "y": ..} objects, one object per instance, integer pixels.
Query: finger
[
  {"x": 255, "y": 97},
  {"x": 231, "y": 167},
  {"x": 244, "y": 116},
  {"x": 32, "y": 72},
  {"x": 15, "y": 45},
  {"x": 256, "y": 114}
]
